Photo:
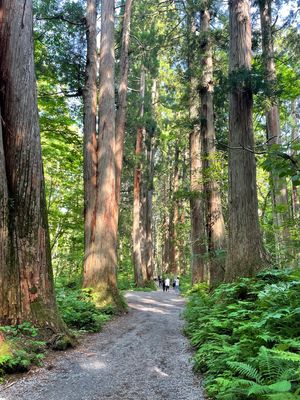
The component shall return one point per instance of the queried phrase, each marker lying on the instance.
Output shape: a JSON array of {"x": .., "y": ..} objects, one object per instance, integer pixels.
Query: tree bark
[
  {"x": 246, "y": 254},
  {"x": 26, "y": 279},
  {"x": 140, "y": 271},
  {"x": 198, "y": 237},
  {"x": 215, "y": 222},
  {"x": 90, "y": 136},
  {"x": 149, "y": 207},
  {"x": 278, "y": 185},
  {"x": 174, "y": 216},
  {"x": 101, "y": 275},
  {"x": 295, "y": 194},
  {"x": 122, "y": 95},
  {"x": 198, "y": 231}
]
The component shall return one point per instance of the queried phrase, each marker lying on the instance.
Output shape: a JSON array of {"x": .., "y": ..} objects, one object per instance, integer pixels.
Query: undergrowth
[
  {"x": 20, "y": 348},
  {"x": 79, "y": 312},
  {"x": 126, "y": 282},
  {"x": 247, "y": 337}
]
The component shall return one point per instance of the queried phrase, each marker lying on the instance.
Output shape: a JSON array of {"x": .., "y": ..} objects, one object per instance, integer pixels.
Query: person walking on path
[
  {"x": 163, "y": 285},
  {"x": 167, "y": 283},
  {"x": 177, "y": 285}
]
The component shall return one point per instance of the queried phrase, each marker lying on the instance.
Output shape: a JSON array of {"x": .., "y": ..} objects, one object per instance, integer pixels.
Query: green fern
[
  {"x": 277, "y": 387},
  {"x": 246, "y": 370},
  {"x": 246, "y": 336}
]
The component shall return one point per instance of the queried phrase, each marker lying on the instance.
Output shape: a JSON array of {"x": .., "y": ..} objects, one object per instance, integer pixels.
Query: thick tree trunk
[
  {"x": 174, "y": 213},
  {"x": 149, "y": 208},
  {"x": 279, "y": 187},
  {"x": 140, "y": 271},
  {"x": 246, "y": 254},
  {"x": 90, "y": 136},
  {"x": 215, "y": 222},
  {"x": 122, "y": 95},
  {"x": 101, "y": 275},
  {"x": 295, "y": 194},
  {"x": 26, "y": 279},
  {"x": 198, "y": 231},
  {"x": 198, "y": 237}
]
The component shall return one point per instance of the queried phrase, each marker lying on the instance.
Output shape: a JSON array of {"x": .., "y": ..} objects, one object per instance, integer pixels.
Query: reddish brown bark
[
  {"x": 278, "y": 185},
  {"x": 101, "y": 274},
  {"x": 26, "y": 280},
  {"x": 140, "y": 271},
  {"x": 246, "y": 254},
  {"x": 198, "y": 237},
  {"x": 90, "y": 135},
  {"x": 174, "y": 217},
  {"x": 122, "y": 95},
  {"x": 197, "y": 205},
  {"x": 295, "y": 194},
  {"x": 215, "y": 222}
]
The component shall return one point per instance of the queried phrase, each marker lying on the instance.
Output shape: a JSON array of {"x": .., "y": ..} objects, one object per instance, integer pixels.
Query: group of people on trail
[{"x": 165, "y": 283}]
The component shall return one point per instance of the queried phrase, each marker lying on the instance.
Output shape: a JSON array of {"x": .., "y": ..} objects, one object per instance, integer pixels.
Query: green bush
[
  {"x": 20, "y": 349},
  {"x": 247, "y": 337},
  {"x": 79, "y": 312}
]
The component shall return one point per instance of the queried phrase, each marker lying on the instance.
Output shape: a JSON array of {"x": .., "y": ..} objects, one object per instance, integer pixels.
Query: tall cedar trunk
[
  {"x": 246, "y": 254},
  {"x": 143, "y": 201},
  {"x": 149, "y": 214},
  {"x": 295, "y": 194},
  {"x": 26, "y": 279},
  {"x": 173, "y": 266},
  {"x": 171, "y": 227},
  {"x": 140, "y": 272},
  {"x": 90, "y": 136},
  {"x": 122, "y": 96},
  {"x": 197, "y": 209},
  {"x": 215, "y": 222},
  {"x": 198, "y": 231},
  {"x": 279, "y": 187},
  {"x": 165, "y": 226},
  {"x": 150, "y": 151},
  {"x": 101, "y": 275},
  {"x": 176, "y": 213},
  {"x": 183, "y": 262}
]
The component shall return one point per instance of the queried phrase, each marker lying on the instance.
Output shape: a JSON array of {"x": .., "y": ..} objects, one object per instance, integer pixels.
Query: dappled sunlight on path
[{"x": 139, "y": 356}]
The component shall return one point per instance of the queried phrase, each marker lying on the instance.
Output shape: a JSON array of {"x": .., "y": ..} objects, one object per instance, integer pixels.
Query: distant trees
[{"x": 26, "y": 281}]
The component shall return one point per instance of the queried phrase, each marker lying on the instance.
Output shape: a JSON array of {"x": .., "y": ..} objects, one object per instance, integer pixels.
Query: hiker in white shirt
[{"x": 167, "y": 283}]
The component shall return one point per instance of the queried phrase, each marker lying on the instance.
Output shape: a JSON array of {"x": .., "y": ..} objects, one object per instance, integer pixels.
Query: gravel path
[{"x": 139, "y": 356}]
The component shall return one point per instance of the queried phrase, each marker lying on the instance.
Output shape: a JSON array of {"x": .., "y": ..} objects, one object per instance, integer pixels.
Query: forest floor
[{"x": 142, "y": 355}]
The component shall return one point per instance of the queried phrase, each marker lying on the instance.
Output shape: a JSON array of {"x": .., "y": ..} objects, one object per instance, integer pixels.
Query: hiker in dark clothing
[
  {"x": 159, "y": 281},
  {"x": 163, "y": 285}
]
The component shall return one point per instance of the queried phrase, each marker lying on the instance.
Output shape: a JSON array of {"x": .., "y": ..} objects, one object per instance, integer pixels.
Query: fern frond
[
  {"x": 245, "y": 369},
  {"x": 285, "y": 355},
  {"x": 277, "y": 387}
]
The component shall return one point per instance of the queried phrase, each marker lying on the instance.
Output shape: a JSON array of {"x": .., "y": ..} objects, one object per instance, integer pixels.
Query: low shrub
[
  {"x": 247, "y": 337},
  {"x": 79, "y": 312},
  {"x": 20, "y": 348}
]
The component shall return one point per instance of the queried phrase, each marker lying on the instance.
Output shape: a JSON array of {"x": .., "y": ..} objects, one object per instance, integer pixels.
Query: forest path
[{"x": 139, "y": 356}]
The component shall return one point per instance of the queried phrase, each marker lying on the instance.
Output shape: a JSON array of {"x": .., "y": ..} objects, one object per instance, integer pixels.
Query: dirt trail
[{"x": 139, "y": 356}]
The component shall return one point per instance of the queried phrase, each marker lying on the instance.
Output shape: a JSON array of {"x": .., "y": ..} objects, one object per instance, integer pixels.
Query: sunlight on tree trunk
[
  {"x": 101, "y": 274},
  {"x": 278, "y": 185},
  {"x": 26, "y": 280},
  {"x": 215, "y": 223},
  {"x": 90, "y": 136}
]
